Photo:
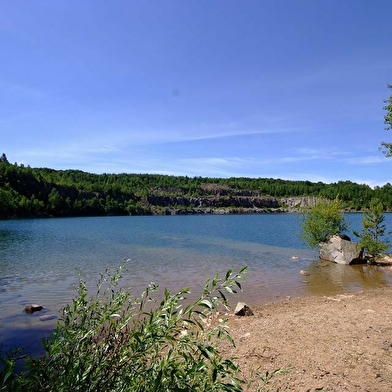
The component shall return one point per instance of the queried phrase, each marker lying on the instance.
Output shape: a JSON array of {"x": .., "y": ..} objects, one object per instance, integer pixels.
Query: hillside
[{"x": 39, "y": 192}]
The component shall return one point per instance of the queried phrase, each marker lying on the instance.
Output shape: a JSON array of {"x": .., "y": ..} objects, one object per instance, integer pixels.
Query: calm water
[{"x": 40, "y": 260}]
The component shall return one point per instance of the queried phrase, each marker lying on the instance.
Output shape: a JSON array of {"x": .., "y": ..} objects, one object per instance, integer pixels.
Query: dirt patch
[{"x": 340, "y": 343}]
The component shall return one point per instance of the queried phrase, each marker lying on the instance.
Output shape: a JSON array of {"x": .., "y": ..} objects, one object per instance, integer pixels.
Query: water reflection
[{"x": 327, "y": 278}]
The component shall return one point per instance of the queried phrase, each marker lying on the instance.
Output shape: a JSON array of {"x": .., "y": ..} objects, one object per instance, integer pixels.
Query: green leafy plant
[
  {"x": 322, "y": 221},
  {"x": 264, "y": 381},
  {"x": 8, "y": 361},
  {"x": 111, "y": 341},
  {"x": 373, "y": 229},
  {"x": 387, "y": 147}
]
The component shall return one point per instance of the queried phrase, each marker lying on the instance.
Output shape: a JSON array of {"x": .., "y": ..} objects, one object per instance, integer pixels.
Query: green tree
[
  {"x": 387, "y": 147},
  {"x": 7, "y": 203},
  {"x": 55, "y": 202},
  {"x": 373, "y": 228},
  {"x": 3, "y": 158},
  {"x": 322, "y": 221}
]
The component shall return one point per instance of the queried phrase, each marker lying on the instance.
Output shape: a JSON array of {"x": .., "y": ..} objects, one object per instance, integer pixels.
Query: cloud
[{"x": 368, "y": 160}]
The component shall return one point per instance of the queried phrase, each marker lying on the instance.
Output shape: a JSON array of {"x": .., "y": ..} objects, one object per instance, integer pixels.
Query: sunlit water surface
[{"x": 40, "y": 261}]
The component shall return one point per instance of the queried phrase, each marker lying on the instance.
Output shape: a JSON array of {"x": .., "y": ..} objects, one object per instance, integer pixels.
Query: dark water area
[{"x": 40, "y": 261}]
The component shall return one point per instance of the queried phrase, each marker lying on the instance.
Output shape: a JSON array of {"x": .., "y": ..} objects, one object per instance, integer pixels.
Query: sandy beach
[{"x": 339, "y": 343}]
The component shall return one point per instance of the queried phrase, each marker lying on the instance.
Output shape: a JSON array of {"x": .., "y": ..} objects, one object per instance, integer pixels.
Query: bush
[
  {"x": 322, "y": 221},
  {"x": 373, "y": 228},
  {"x": 113, "y": 342}
]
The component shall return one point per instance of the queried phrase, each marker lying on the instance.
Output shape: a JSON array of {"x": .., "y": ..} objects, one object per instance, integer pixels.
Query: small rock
[
  {"x": 242, "y": 309},
  {"x": 303, "y": 272},
  {"x": 48, "y": 317},
  {"x": 33, "y": 308}
]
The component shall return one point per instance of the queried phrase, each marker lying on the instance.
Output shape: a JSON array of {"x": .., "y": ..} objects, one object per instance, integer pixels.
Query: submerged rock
[
  {"x": 33, "y": 308},
  {"x": 48, "y": 317}
]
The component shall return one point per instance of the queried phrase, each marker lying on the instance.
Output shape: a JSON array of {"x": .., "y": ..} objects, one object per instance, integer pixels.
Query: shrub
[
  {"x": 111, "y": 341},
  {"x": 322, "y": 221},
  {"x": 373, "y": 228}
]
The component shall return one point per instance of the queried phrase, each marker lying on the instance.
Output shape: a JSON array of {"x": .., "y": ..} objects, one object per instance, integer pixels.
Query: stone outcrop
[
  {"x": 340, "y": 250},
  {"x": 239, "y": 203},
  {"x": 213, "y": 201}
]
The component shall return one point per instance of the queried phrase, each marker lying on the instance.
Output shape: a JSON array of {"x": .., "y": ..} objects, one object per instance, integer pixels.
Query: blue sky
[{"x": 289, "y": 89}]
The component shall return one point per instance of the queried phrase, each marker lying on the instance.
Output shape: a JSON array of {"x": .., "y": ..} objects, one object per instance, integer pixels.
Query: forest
[{"x": 44, "y": 192}]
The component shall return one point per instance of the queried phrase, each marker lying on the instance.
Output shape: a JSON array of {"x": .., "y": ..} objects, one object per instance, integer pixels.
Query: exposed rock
[
  {"x": 48, "y": 317},
  {"x": 385, "y": 259},
  {"x": 33, "y": 308},
  {"x": 341, "y": 251},
  {"x": 223, "y": 201},
  {"x": 305, "y": 273},
  {"x": 295, "y": 203},
  {"x": 242, "y": 309}
]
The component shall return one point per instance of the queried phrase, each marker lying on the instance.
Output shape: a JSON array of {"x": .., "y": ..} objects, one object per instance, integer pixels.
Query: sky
[{"x": 290, "y": 89}]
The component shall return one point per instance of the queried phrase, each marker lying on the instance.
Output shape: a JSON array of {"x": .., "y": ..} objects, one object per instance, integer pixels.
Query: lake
[{"x": 40, "y": 261}]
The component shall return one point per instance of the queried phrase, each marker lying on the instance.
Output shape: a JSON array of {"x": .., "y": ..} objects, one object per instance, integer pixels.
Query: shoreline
[{"x": 339, "y": 342}]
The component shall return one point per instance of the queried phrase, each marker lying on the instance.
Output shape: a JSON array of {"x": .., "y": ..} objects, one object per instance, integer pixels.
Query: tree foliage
[
  {"x": 387, "y": 147},
  {"x": 322, "y": 221},
  {"x": 373, "y": 228}
]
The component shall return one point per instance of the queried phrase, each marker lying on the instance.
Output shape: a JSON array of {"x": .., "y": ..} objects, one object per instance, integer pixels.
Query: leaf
[
  {"x": 206, "y": 303},
  {"x": 205, "y": 350},
  {"x": 243, "y": 270},
  {"x": 223, "y": 296},
  {"x": 229, "y": 289},
  {"x": 228, "y": 273}
]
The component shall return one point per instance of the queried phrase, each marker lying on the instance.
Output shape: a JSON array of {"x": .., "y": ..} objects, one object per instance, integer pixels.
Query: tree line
[{"x": 40, "y": 192}]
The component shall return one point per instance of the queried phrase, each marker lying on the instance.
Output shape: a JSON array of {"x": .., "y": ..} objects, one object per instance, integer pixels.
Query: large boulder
[{"x": 340, "y": 250}]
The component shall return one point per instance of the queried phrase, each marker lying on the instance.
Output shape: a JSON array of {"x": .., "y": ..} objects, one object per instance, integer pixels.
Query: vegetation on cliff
[{"x": 35, "y": 192}]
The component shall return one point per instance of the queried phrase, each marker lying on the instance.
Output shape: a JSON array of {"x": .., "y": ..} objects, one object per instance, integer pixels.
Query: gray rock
[
  {"x": 242, "y": 309},
  {"x": 341, "y": 251},
  {"x": 48, "y": 317}
]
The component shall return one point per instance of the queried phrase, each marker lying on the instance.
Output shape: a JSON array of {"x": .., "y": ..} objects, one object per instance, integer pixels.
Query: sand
[{"x": 339, "y": 343}]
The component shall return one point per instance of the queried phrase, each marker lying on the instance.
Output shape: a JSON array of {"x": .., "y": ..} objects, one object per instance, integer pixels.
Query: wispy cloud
[{"x": 367, "y": 160}]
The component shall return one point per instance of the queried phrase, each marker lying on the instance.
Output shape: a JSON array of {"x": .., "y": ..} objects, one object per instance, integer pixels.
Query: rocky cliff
[{"x": 224, "y": 204}]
